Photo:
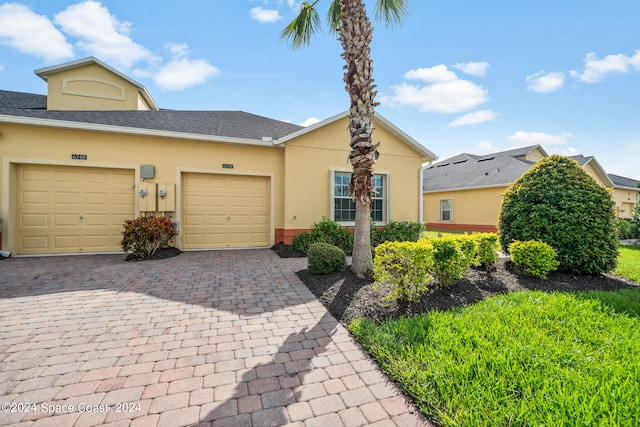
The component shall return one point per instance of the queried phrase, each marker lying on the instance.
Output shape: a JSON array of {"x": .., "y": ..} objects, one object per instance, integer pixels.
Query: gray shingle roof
[
  {"x": 623, "y": 181},
  {"x": 472, "y": 171},
  {"x": 14, "y": 100},
  {"x": 235, "y": 124}
]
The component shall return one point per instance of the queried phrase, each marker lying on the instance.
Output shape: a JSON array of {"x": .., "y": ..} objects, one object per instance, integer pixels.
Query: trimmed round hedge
[{"x": 557, "y": 202}]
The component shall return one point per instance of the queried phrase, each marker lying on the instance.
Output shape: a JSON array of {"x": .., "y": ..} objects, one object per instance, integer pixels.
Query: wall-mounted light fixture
[
  {"x": 142, "y": 192},
  {"x": 162, "y": 194}
]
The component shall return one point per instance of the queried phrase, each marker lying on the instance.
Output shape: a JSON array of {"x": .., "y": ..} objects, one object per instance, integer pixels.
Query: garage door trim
[
  {"x": 180, "y": 172},
  {"x": 10, "y": 166}
]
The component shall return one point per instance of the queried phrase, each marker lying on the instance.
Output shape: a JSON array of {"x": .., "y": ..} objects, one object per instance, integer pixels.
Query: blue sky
[{"x": 458, "y": 76}]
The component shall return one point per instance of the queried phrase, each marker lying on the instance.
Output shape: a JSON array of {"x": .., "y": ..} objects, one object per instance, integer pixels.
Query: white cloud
[
  {"x": 523, "y": 138},
  {"x": 310, "y": 121},
  {"x": 178, "y": 50},
  {"x": 634, "y": 146},
  {"x": 486, "y": 146},
  {"x": 474, "y": 118},
  {"x": 436, "y": 74},
  {"x": 596, "y": 69},
  {"x": 1, "y": 67},
  {"x": 473, "y": 68},
  {"x": 543, "y": 82},
  {"x": 445, "y": 93},
  {"x": 265, "y": 15},
  {"x": 182, "y": 73},
  {"x": 32, "y": 34},
  {"x": 101, "y": 34}
]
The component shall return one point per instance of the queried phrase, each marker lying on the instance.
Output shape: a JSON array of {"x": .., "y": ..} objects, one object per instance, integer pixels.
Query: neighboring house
[
  {"x": 465, "y": 192},
  {"x": 626, "y": 194},
  {"x": 75, "y": 164}
]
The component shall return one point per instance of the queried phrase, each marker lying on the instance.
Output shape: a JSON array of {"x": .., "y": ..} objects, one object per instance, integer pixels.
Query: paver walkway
[{"x": 220, "y": 338}]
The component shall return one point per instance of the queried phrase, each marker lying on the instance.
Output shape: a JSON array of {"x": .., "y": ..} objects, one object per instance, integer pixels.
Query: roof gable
[
  {"x": 379, "y": 120},
  {"x": 47, "y": 72}
]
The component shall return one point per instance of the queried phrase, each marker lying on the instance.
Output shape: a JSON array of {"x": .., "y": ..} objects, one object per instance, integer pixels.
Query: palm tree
[{"x": 348, "y": 19}]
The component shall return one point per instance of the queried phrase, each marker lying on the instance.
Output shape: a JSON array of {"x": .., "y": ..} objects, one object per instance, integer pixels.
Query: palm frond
[
  {"x": 333, "y": 16},
  {"x": 392, "y": 11},
  {"x": 300, "y": 30}
]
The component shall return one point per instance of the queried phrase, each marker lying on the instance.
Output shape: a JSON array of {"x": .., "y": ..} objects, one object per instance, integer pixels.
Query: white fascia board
[
  {"x": 466, "y": 188},
  {"x": 94, "y": 127},
  {"x": 378, "y": 117}
]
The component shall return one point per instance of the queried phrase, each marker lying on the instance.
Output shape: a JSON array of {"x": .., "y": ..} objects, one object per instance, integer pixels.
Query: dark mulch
[
  {"x": 348, "y": 297},
  {"x": 285, "y": 251},
  {"x": 161, "y": 253}
]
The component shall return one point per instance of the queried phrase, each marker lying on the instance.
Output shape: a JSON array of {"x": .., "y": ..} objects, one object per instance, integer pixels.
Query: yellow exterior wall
[
  {"x": 171, "y": 157},
  {"x": 310, "y": 158},
  {"x": 470, "y": 207},
  {"x": 535, "y": 155},
  {"x": 625, "y": 201},
  {"x": 91, "y": 87},
  {"x": 595, "y": 174}
]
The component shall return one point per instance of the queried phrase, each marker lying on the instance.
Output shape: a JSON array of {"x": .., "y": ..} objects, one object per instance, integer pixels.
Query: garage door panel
[
  {"x": 34, "y": 220},
  {"x": 64, "y": 209},
  {"x": 67, "y": 176},
  {"x": 99, "y": 220},
  {"x": 34, "y": 198},
  {"x": 65, "y": 220},
  {"x": 71, "y": 243},
  {"x": 38, "y": 244},
  {"x": 229, "y": 206}
]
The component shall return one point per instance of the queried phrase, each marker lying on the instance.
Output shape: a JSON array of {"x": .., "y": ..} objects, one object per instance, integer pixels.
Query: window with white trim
[
  {"x": 344, "y": 208},
  {"x": 446, "y": 210}
]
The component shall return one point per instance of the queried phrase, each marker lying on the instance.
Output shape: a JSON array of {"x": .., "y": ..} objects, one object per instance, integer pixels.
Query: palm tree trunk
[{"x": 355, "y": 34}]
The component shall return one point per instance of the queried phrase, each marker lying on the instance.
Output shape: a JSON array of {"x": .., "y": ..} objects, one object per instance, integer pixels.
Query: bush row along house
[
  {"x": 464, "y": 192},
  {"x": 97, "y": 150}
]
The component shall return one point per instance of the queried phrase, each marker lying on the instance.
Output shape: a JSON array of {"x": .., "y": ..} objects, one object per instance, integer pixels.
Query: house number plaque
[
  {"x": 79, "y": 157},
  {"x": 227, "y": 166}
]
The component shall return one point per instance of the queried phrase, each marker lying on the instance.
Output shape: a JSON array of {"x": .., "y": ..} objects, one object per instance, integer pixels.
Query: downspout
[{"x": 421, "y": 195}]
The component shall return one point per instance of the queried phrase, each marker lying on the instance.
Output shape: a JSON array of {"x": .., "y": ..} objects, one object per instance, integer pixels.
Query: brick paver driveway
[{"x": 216, "y": 337}]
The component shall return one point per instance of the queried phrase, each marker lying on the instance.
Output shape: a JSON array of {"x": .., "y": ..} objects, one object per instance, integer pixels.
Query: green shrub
[
  {"x": 449, "y": 261},
  {"x": 469, "y": 247},
  {"x": 624, "y": 228},
  {"x": 405, "y": 267},
  {"x": 301, "y": 242},
  {"x": 143, "y": 236},
  {"x": 557, "y": 202},
  {"x": 326, "y": 231},
  {"x": 534, "y": 257},
  {"x": 324, "y": 258},
  {"x": 396, "y": 231},
  {"x": 488, "y": 246},
  {"x": 635, "y": 222}
]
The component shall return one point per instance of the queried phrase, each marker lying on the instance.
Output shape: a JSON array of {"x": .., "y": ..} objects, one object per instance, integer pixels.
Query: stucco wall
[
  {"x": 26, "y": 144},
  {"x": 91, "y": 87},
  {"x": 472, "y": 209},
  {"x": 311, "y": 157}
]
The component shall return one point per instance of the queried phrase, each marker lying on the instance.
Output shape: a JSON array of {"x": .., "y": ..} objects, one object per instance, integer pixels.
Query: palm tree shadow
[{"x": 272, "y": 382}]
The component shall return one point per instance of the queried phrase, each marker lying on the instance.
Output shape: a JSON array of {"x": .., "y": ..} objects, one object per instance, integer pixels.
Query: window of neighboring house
[
  {"x": 446, "y": 210},
  {"x": 344, "y": 208}
]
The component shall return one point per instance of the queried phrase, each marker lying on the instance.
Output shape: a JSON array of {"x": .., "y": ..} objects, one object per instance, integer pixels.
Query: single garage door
[
  {"x": 66, "y": 209},
  {"x": 225, "y": 211}
]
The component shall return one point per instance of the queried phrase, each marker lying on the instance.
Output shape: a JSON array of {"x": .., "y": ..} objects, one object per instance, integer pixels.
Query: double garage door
[
  {"x": 65, "y": 209},
  {"x": 225, "y": 211}
]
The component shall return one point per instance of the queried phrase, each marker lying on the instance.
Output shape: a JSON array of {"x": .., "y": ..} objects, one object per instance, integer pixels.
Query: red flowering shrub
[{"x": 143, "y": 236}]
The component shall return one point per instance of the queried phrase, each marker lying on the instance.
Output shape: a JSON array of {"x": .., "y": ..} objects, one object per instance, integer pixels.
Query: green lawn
[
  {"x": 522, "y": 359},
  {"x": 629, "y": 262}
]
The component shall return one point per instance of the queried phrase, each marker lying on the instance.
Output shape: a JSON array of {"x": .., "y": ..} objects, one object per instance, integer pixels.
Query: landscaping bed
[{"x": 348, "y": 297}]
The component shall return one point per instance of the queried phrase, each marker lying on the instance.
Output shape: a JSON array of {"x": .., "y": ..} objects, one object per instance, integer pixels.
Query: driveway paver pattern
[{"x": 210, "y": 338}]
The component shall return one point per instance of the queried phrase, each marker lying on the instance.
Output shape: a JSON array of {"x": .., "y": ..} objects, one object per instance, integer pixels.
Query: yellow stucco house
[
  {"x": 464, "y": 192},
  {"x": 97, "y": 150}
]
